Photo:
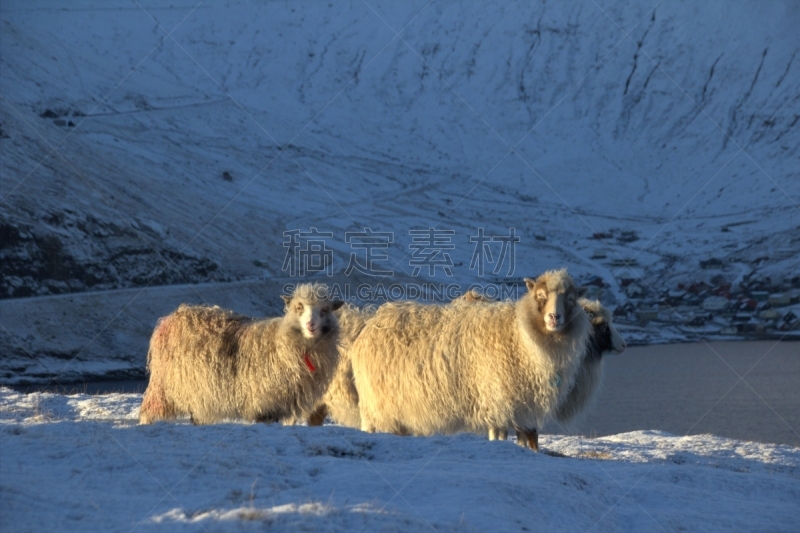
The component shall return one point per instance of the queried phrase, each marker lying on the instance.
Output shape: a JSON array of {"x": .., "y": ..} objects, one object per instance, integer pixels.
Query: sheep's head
[
  {"x": 311, "y": 310},
  {"x": 472, "y": 296},
  {"x": 556, "y": 298},
  {"x": 604, "y": 336}
]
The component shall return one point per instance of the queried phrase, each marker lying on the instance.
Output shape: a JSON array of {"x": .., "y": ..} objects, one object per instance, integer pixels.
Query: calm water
[
  {"x": 686, "y": 389},
  {"x": 689, "y": 389}
]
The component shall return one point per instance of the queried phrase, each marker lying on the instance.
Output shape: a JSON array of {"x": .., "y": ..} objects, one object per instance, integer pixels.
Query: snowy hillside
[
  {"x": 81, "y": 463},
  {"x": 145, "y": 146}
]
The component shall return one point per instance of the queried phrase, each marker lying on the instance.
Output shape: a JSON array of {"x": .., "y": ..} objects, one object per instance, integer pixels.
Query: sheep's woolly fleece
[
  {"x": 341, "y": 399},
  {"x": 215, "y": 364},
  {"x": 426, "y": 369},
  {"x": 82, "y": 463}
]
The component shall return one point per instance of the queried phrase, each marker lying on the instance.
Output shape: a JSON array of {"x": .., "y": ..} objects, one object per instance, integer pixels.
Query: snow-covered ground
[
  {"x": 81, "y": 463},
  {"x": 146, "y": 146}
]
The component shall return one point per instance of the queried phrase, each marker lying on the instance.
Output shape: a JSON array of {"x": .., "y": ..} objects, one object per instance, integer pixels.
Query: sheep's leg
[
  {"x": 367, "y": 425},
  {"x": 528, "y": 438},
  {"x": 155, "y": 405},
  {"x": 200, "y": 419},
  {"x": 367, "y": 420},
  {"x": 400, "y": 430},
  {"x": 318, "y": 416},
  {"x": 498, "y": 433},
  {"x": 267, "y": 418},
  {"x": 531, "y": 439}
]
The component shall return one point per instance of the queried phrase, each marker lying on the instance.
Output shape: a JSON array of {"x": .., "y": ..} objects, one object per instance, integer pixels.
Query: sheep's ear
[
  {"x": 581, "y": 291},
  {"x": 337, "y": 304},
  {"x": 530, "y": 283},
  {"x": 286, "y": 298}
]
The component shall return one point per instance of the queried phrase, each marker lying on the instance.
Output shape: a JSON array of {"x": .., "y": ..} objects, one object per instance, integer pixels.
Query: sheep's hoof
[{"x": 317, "y": 418}]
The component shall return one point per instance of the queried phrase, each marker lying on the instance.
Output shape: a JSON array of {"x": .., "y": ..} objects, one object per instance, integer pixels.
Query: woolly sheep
[
  {"x": 341, "y": 399},
  {"x": 471, "y": 296},
  {"x": 603, "y": 338},
  {"x": 213, "y": 364},
  {"x": 425, "y": 369}
]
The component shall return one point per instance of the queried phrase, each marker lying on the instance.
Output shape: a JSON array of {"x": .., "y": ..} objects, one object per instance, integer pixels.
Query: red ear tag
[{"x": 309, "y": 364}]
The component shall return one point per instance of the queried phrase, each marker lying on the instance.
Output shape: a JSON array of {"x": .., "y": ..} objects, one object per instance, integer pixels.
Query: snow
[{"x": 82, "y": 463}]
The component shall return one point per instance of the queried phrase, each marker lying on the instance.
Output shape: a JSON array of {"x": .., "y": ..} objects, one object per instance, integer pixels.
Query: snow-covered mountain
[{"x": 145, "y": 145}]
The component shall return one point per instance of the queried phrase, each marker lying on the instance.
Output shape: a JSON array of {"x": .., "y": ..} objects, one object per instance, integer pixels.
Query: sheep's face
[
  {"x": 556, "y": 298},
  {"x": 604, "y": 334},
  {"x": 316, "y": 318},
  {"x": 311, "y": 314},
  {"x": 554, "y": 307}
]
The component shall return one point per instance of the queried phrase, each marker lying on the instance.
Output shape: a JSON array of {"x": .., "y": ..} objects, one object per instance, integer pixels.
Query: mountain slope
[{"x": 145, "y": 145}]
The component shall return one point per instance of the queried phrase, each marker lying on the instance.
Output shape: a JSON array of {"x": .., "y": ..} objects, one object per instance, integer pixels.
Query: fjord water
[{"x": 694, "y": 388}]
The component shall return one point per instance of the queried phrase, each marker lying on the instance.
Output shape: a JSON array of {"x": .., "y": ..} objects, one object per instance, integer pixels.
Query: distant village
[{"x": 757, "y": 308}]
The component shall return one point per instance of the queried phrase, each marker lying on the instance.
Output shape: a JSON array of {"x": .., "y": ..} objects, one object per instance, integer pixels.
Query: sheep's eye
[
  {"x": 299, "y": 308},
  {"x": 323, "y": 312},
  {"x": 591, "y": 315}
]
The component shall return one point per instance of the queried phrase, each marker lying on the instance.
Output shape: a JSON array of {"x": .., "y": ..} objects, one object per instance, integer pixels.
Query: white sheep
[
  {"x": 603, "y": 338},
  {"x": 425, "y": 369},
  {"x": 213, "y": 364},
  {"x": 340, "y": 401}
]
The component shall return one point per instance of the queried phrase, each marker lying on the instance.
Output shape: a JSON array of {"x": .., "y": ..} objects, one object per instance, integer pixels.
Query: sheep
[
  {"x": 603, "y": 338},
  {"x": 341, "y": 399},
  {"x": 213, "y": 364},
  {"x": 425, "y": 369},
  {"x": 470, "y": 297}
]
